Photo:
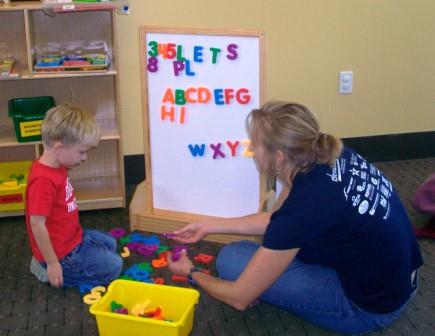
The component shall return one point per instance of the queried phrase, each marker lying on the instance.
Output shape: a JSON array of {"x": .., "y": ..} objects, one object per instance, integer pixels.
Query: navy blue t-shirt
[{"x": 350, "y": 218}]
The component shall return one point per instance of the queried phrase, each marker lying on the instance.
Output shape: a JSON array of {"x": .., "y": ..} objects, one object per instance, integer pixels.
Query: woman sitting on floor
[{"x": 338, "y": 250}]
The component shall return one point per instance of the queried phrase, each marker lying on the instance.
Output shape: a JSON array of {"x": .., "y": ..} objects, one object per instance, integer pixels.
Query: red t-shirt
[{"x": 50, "y": 194}]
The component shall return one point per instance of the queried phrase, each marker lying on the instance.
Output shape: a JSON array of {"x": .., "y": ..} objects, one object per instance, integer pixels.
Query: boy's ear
[{"x": 57, "y": 145}]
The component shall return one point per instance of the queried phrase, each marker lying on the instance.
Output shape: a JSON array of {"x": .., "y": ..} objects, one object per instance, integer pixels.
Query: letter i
[{"x": 182, "y": 114}]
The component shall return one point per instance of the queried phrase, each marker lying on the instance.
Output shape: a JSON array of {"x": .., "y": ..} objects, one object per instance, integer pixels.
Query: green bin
[{"x": 27, "y": 114}]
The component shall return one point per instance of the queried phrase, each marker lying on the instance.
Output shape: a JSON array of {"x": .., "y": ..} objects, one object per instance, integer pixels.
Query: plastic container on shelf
[
  {"x": 6, "y": 66},
  {"x": 27, "y": 115},
  {"x": 72, "y": 57},
  {"x": 177, "y": 305},
  {"x": 13, "y": 185}
]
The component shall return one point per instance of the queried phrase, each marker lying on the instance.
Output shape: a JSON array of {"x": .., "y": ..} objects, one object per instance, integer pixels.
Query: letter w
[{"x": 196, "y": 150}]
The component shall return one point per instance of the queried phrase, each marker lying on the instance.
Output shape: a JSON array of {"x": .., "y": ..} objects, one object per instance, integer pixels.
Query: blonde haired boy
[{"x": 63, "y": 253}]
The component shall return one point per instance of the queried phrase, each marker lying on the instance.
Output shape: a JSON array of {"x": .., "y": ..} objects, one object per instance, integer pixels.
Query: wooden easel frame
[{"x": 143, "y": 216}]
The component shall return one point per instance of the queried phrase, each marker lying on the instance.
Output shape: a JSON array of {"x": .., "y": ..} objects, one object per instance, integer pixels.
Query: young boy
[{"x": 63, "y": 254}]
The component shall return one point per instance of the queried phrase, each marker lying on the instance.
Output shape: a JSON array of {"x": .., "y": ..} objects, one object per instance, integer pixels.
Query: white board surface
[{"x": 197, "y": 166}]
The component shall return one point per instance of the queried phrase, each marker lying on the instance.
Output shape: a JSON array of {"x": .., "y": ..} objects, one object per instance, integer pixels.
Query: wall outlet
[{"x": 345, "y": 82}]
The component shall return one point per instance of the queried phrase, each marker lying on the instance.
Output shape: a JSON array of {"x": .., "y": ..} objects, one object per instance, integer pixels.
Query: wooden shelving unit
[{"x": 25, "y": 26}]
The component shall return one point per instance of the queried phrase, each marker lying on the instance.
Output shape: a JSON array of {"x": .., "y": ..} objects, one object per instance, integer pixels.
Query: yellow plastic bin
[
  {"x": 178, "y": 305},
  {"x": 13, "y": 185},
  {"x": 28, "y": 114}
]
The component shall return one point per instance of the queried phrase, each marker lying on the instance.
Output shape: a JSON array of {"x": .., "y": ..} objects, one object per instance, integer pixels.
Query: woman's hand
[
  {"x": 191, "y": 233},
  {"x": 182, "y": 266},
  {"x": 55, "y": 274}
]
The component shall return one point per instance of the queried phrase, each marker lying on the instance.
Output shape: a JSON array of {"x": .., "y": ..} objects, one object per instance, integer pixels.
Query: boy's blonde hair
[
  {"x": 69, "y": 125},
  {"x": 293, "y": 129}
]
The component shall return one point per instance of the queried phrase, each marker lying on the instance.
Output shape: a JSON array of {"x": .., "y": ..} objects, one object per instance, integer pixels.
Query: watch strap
[{"x": 189, "y": 275}]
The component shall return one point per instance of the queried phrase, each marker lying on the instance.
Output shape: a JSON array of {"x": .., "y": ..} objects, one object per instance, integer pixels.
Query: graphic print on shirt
[
  {"x": 367, "y": 189},
  {"x": 336, "y": 172},
  {"x": 69, "y": 192}
]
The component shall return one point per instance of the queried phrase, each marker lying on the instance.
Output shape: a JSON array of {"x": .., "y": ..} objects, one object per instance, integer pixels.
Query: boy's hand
[{"x": 55, "y": 274}]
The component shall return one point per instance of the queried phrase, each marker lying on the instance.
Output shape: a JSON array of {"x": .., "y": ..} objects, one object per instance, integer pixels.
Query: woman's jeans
[
  {"x": 312, "y": 292},
  {"x": 94, "y": 261}
]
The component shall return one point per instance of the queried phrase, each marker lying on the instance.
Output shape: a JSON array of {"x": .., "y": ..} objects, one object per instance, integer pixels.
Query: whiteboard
[{"x": 199, "y": 89}]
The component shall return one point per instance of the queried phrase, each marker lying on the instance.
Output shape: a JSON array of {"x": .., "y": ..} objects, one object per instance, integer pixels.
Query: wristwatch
[{"x": 189, "y": 275}]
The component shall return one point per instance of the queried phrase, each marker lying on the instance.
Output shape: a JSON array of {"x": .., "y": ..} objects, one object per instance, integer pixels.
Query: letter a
[{"x": 168, "y": 97}]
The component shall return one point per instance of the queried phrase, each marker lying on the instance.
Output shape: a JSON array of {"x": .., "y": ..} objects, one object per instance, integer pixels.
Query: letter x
[{"x": 217, "y": 150}]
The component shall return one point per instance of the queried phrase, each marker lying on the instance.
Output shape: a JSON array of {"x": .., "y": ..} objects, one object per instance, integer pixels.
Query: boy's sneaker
[{"x": 38, "y": 271}]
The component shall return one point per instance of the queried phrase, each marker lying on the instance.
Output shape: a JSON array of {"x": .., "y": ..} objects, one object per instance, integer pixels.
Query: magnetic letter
[
  {"x": 171, "y": 52},
  {"x": 233, "y": 147},
  {"x": 168, "y": 97},
  {"x": 179, "y": 97},
  {"x": 218, "y": 97},
  {"x": 188, "y": 72},
  {"x": 182, "y": 114},
  {"x": 197, "y": 54},
  {"x": 217, "y": 150},
  {"x": 215, "y": 52},
  {"x": 197, "y": 150},
  {"x": 180, "y": 56},
  {"x": 153, "y": 64},
  {"x": 165, "y": 113},
  {"x": 178, "y": 67},
  {"x": 162, "y": 48},
  {"x": 229, "y": 94},
  {"x": 204, "y": 95},
  {"x": 153, "y": 49},
  {"x": 247, "y": 152},
  {"x": 243, "y": 96},
  {"x": 188, "y": 95},
  {"x": 232, "y": 51}
]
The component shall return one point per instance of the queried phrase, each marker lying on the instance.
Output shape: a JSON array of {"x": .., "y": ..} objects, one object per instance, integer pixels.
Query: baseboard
[
  {"x": 393, "y": 147},
  {"x": 378, "y": 148}
]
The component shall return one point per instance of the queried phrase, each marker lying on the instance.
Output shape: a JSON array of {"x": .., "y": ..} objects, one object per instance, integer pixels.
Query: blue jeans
[
  {"x": 94, "y": 261},
  {"x": 312, "y": 292}
]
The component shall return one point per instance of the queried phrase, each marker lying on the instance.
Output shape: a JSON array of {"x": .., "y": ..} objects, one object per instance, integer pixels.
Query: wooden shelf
[
  {"x": 9, "y": 139},
  {"x": 20, "y": 5},
  {"x": 99, "y": 192},
  {"x": 92, "y": 193},
  {"x": 25, "y": 28},
  {"x": 11, "y": 213},
  {"x": 59, "y": 7},
  {"x": 68, "y": 74}
]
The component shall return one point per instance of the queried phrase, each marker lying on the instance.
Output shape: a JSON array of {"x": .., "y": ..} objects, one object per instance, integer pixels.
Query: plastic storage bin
[
  {"x": 27, "y": 115},
  {"x": 13, "y": 185},
  {"x": 178, "y": 305}
]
